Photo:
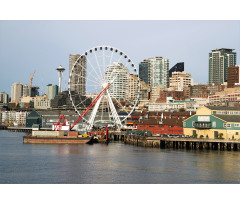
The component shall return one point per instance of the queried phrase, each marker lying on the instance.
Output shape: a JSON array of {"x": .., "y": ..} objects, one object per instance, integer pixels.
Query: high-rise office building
[
  {"x": 144, "y": 71},
  {"x": 78, "y": 76},
  {"x": 179, "y": 67},
  {"x": 119, "y": 88},
  {"x": 27, "y": 90},
  {"x": 219, "y": 61},
  {"x": 159, "y": 71},
  {"x": 16, "y": 92},
  {"x": 4, "y": 98},
  {"x": 132, "y": 88},
  {"x": 155, "y": 71},
  {"x": 52, "y": 91}
]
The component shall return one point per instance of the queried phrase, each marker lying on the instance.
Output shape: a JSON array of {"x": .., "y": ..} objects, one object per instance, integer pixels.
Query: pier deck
[{"x": 183, "y": 143}]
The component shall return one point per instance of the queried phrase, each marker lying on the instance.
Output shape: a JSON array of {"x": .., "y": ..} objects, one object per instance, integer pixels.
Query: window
[
  {"x": 228, "y": 125},
  {"x": 214, "y": 124},
  {"x": 184, "y": 124},
  {"x": 236, "y": 133},
  {"x": 193, "y": 123},
  {"x": 204, "y": 118},
  {"x": 236, "y": 124},
  {"x": 221, "y": 112}
]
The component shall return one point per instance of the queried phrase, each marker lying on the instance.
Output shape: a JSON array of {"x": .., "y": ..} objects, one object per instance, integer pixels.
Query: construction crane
[
  {"x": 31, "y": 76},
  {"x": 66, "y": 125},
  {"x": 105, "y": 130}
]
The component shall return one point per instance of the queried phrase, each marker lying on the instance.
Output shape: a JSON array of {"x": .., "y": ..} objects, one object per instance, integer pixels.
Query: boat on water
[{"x": 58, "y": 137}]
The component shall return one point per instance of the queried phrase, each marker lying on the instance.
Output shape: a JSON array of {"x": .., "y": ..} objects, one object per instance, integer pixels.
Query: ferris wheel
[{"x": 90, "y": 73}]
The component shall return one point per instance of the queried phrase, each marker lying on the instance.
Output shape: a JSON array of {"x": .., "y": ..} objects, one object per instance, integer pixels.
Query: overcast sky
[{"x": 44, "y": 45}]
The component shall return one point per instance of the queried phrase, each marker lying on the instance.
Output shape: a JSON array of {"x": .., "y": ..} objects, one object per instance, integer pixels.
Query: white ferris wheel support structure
[{"x": 91, "y": 72}]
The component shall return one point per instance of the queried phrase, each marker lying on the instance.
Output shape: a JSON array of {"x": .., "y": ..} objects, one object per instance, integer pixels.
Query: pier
[
  {"x": 19, "y": 129},
  {"x": 15, "y": 129},
  {"x": 183, "y": 143}
]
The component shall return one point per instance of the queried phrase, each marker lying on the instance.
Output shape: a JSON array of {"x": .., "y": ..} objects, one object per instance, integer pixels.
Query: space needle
[{"x": 60, "y": 70}]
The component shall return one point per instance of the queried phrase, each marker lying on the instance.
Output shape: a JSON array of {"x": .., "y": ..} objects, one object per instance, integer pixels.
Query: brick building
[
  {"x": 176, "y": 95},
  {"x": 160, "y": 122},
  {"x": 161, "y": 126},
  {"x": 232, "y": 76}
]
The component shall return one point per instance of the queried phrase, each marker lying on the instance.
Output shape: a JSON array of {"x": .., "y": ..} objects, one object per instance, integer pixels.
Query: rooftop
[
  {"x": 229, "y": 118},
  {"x": 164, "y": 121},
  {"x": 222, "y": 108},
  {"x": 228, "y": 49}
]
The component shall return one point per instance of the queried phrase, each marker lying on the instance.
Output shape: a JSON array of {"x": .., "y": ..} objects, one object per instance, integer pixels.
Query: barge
[{"x": 57, "y": 137}]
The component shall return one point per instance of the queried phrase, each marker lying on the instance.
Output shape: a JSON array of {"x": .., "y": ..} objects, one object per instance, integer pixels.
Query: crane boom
[
  {"x": 31, "y": 76},
  {"x": 91, "y": 105}
]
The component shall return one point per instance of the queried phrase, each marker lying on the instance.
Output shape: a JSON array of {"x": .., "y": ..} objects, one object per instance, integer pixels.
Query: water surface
[{"x": 115, "y": 163}]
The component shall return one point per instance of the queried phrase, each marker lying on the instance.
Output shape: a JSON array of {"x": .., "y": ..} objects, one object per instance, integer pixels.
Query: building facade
[
  {"x": 132, "y": 86},
  {"x": 14, "y": 118},
  {"x": 136, "y": 85},
  {"x": 223, "y": 99},
  {"x": 232, "y": 76},
  {"x": 144, "y": 71},
  {"x": 175, "y": 95},
  {"x": 199, "y": 90},
  {"x": 156, "y": 90},
  {"x": 27, "y": 90},
  {"x": 219, "y": 61},
  {"x": 77, "y": 65},
  {"x": 42, "y": 102},
  {"x": 16, "y": 92},
  {"x": 214, "y": 122},
  {"x": 174, "y": 106},
  {"x": 4, "y": 98},
  {"x": 160, "y": 125},
  {"x": 179, "y": 80},
  {"x": 26, "y": 102},
  {"x": 179, "y": 67},
  {"x": 159, "y": 71},
  {"x": 119, "y": 88},
  {"x": 144, "y": 91},
  {"x": 155, "y": 71},
  {"x": 52, "y": 91},
  {"x": 160, "y": 122}
]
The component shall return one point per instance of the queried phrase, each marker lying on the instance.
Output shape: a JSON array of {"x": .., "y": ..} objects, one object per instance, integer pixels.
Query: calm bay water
[{"x": 114, "y": 163}]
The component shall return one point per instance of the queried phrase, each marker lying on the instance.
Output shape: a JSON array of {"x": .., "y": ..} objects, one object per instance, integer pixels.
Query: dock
[
  {"x": 19, "y": 129},
  {"x": 183, "y": 143}
]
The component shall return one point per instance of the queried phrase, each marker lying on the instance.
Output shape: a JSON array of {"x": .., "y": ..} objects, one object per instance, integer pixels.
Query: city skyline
[{"x": 44, "y": 45}]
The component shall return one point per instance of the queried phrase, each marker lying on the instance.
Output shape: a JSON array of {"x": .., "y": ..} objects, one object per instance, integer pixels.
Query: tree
[
  {"x": 220, "y": 135},
  {"x": 195, "y": 135}
]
